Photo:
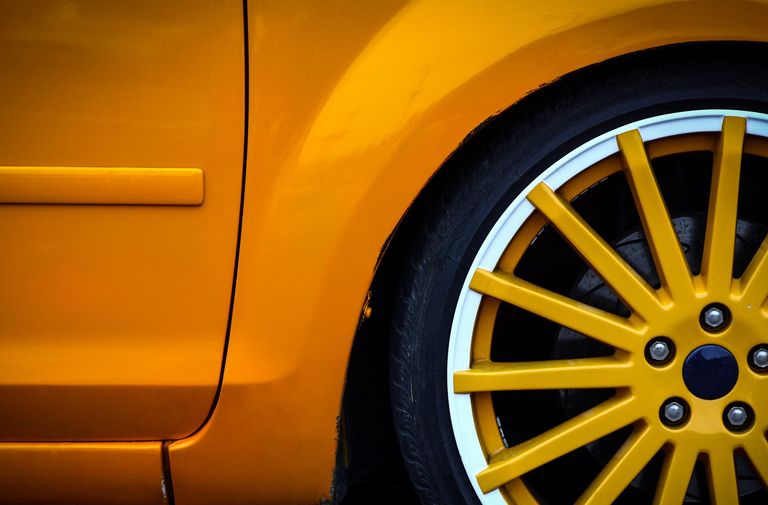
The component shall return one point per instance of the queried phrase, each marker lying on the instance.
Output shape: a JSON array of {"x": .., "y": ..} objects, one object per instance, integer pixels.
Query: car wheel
[{"x": 583, "y": 319}]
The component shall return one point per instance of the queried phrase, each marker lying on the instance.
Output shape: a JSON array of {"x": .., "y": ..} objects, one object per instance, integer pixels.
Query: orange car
[{"x": 292, "y": 252}]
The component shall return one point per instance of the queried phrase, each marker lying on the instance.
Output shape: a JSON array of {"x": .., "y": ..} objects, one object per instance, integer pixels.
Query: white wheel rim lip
[{"x": 502, "y": 232}]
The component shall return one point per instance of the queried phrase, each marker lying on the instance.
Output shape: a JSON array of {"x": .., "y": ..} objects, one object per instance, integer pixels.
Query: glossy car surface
[{"x": 195, "y": 197}]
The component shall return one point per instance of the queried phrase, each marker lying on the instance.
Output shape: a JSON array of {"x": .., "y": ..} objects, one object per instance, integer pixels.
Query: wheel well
[{"x": 369, "y": 465}]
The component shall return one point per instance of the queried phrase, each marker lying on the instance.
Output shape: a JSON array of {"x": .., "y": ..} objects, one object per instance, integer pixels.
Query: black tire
[{"x": 483, "y": 177}]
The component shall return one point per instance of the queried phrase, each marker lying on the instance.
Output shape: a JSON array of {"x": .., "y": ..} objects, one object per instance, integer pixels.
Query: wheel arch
[
  {"x": 317, "y": 155},
  {"x": 369, "y": 358}
]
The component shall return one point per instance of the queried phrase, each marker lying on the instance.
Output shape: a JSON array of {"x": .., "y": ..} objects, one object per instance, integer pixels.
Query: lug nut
[
  {"x": 659, "y": 350},
  {"x": 674, "y": 412},
  {"x": 760, "y": 358},
  {"x": 738, "y": 416},
  {"x": 714, "y": 317}
]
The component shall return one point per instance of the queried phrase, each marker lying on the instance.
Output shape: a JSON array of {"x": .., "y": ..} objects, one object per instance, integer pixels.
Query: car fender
[{"x": 352, "y": 108}]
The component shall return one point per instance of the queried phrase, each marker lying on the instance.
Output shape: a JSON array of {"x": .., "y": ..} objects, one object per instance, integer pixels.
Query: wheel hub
[{"x": 710, "y": 372}]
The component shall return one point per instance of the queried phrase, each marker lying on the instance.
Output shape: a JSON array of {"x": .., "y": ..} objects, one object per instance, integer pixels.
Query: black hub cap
[{"x": 710, "y": 372}]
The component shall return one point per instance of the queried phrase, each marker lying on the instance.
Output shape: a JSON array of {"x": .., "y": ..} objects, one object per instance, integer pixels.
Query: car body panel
[
  {"x": 353, "y": 106},
  {"x": 128, "y": 473},
  {"x": 114, "y": 316}
]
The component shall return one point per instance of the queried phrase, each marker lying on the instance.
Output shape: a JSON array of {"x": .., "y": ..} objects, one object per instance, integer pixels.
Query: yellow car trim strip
[{"x": 101, "y": 185}]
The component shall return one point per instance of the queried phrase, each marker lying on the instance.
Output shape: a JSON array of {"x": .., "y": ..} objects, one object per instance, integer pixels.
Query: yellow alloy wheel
[
  {"x": 689, "y": 357},
  {"x": 582, "y": 317}
]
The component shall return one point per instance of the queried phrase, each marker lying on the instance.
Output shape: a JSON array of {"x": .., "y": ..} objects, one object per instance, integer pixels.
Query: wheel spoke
[
  {"x": 676, "y": 475},
  {"x": 630, "y": 459},
  {"x": 722, "y": 477},
  {"x": 522, "y": 494},
  {"x": 757, "y": 452},
  {"x": 595, "y": 423},
  {"x": 603, "y": 326},
  {"x": 631, "y": 288},
  {"x": 662, "y": 239},
  {"x": 754, "y": 282},
  {"x": 717, "y": 262},
  {"x": 556, "y": 374}
]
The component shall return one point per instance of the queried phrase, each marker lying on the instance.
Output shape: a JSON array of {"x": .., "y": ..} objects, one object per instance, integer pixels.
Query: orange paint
[
  {"x": 114, "y": 317},
  {"x": 353, "y": 108}
]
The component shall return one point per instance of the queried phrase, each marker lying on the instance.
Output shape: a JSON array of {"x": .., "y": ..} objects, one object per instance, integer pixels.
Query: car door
[{"x": 121, "y": 164}]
